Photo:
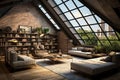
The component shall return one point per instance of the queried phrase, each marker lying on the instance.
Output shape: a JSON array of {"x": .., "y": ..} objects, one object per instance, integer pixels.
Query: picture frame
[{"x": 24, "y": 29}]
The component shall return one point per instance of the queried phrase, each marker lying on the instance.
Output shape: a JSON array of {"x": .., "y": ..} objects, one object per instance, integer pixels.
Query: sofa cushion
[
  {"x": 25, "y": 58},
  {"x": 13, "y": 56},
  {"x": 87, "y": 50},
  {"x": 22, "y": 64},
  {"x": 80, "y": 48},
  {"x": 20, "y": 58},
  {"x": 91, "y": 66},
  {"x": 25, "y": 61}
]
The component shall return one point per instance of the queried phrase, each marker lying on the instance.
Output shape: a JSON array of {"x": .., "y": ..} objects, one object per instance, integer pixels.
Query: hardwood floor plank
[
  {"x": 4, "y": 73},
  {"x": 35, "y": 73}
]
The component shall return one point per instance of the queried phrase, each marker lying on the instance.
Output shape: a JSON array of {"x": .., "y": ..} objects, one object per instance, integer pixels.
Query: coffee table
[{"x": 58, "y": 58}]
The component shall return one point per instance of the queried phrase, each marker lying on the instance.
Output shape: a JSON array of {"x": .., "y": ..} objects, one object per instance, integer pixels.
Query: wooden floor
[
  {"x": 35, "y": 73},
  {"x": 4, "y": 73}
]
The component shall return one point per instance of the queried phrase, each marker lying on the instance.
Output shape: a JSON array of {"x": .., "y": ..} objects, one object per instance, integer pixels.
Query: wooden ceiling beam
[{"x": 5, "y": 3}]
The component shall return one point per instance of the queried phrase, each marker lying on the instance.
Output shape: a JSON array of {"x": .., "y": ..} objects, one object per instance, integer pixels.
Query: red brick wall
[
  {"x": 24, "y": 14},
  {"x": 64, "y": 43}
]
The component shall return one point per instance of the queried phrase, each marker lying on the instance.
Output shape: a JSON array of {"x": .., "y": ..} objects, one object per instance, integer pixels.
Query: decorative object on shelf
[
  {"x": 25, "y": 41},
  {"x": 24, "y": 29},
  {"x": 39, "y": 30},
  {"x": 42, "y": 31},
  {"x": 60, "y": 53},
  {"x": 41, "y": 35},
  {"x": 6, "y": 29},
  {"x": 45, "y": 30},
  {"x": 18, "y": 41},
  {"x": 13, "y": 40},
  {"x": 50, "y": 43}
]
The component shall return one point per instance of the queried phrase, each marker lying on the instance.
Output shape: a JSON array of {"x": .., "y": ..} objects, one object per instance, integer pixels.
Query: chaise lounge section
[
  {"x": 96, "y": 66},
  {"x": 17, "y": 61}
]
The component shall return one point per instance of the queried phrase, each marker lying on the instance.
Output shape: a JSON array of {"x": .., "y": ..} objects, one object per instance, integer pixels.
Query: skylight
[
  {"x": 86, "y": 26},
  {"x": 49, "y": 17}
]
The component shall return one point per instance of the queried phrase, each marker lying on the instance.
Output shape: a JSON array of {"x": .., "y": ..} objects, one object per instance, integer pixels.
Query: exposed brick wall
[
  {"x": 64, "y": 43},
  {"x": 24, "y": 14},
  {"x": 27, "y": 14}
]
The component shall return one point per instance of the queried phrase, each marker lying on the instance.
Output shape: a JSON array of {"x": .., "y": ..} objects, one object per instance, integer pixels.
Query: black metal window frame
[{"x": 85, "y": 17}]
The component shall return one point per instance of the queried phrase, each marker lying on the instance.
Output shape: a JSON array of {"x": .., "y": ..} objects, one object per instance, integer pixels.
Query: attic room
[{"x": 59, "y": 39}]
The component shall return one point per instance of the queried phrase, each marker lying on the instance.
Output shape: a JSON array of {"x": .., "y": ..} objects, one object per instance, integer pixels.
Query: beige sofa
[
  {"x": 95, "y": 66},
  {"x": 17, "y": 61},
  {"x": 80, "y": 53},
  {"x": 85, "y": 52}
]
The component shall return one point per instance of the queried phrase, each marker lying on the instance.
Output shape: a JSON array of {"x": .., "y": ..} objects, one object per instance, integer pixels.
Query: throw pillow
[{"x": 112, "y": 53}]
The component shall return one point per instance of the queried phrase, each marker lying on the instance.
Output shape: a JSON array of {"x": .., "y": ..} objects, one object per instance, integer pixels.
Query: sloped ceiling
[
  {"x": 6, "y": 5},
  {"x": 108, "y": 10}
]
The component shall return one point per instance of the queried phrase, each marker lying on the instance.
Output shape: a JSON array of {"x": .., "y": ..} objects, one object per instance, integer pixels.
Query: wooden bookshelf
[
  {"x": 24, "y": 43},
  {"x": 21, "y": 42},
  {"x": 50, "y": 43}
]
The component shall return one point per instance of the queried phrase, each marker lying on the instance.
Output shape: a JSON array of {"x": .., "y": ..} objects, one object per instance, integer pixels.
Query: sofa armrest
[
  {"x": 24, "y": 61},
  {"x": 13, "y": 56},
  {"x": 25, "y": 58}
]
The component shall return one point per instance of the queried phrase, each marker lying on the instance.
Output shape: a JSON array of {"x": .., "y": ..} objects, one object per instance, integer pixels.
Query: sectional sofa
[
  {"x": 97, "y": 65},
  {"x": 85, "y": 52},
  {"x": 17, "y": 61}
]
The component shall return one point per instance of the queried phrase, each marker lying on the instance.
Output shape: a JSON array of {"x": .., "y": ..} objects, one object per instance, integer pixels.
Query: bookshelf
[
  {"x": 21, "y": 42},
  {"x": 50, "y": 43},
  {"x": 24, "y": 42}
]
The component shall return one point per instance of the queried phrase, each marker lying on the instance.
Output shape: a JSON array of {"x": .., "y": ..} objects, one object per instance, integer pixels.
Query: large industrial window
[{"x": 87, "y": 27}]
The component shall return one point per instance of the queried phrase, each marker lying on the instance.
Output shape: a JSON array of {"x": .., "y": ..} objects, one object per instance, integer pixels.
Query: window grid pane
[
  {"x": 76, "y": 13},
  {"x": 85, "y": 11},
  {"x": 86, "y": 23},
  {"x": 69, "y": 16},
  {"x": 63, "y": 6},
  {"x": 70, "y": 5}
]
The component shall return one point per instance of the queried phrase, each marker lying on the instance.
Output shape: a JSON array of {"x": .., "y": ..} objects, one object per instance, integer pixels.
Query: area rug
[
  {"x": 37, "y": 73},
  {"x": 62, "y": 68}
]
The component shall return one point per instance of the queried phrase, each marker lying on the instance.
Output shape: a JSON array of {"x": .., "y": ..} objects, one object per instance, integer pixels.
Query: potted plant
[
  {"x": 39, "y": 30},
  {"x": 45, "y": 30}
]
